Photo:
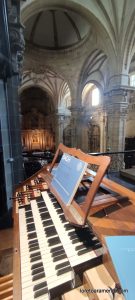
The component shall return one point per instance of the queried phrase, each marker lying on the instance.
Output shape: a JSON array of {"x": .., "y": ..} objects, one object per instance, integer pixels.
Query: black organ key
[
  {"x": 39, "y": 199},
  {"x": 47, "y": 222},
  {"x": 28, "y": 214},
  {"x": 27, "y": 207},
  {"x": 84, "y": 251},
  {"x": 42, "y": 210},
  {"x": 45, "y": 216},
  {"x": 63, "y": 219},
  {"x": 33, "y": 242},
  {"x": 35, "y": 254},
  {"x": 53, "y": 200},
  {"x": 37, "y": 271},
  {"x": 41, "y": 205},
  {"x": 56, "y": 205},
  {"x": 53, "y": 241},
  {"x": 31, "y": 226},
  {"x": 62, "y": 265},
  {"x": 57, "y": 253},
  {"x": 34, "y": 248},
  {"x": 38, "y": 276},
  {"x": 59, "y": 257},
  {"x": 38, "y": 265},
  {"x": 59, "y": 211},
  {"x": 72, "y": 235},
  {"x": 51, "y": 195},
  {"x": 64, "y": 270},
  {"x": 51, "y": 228},
  {"x": 40, "y": 286},
  {"x": 29, "y": 220},
  {"x": 76, "y": 240},
  {"x": 40, "y": 293},
  {"x": 32, "y": 235},
  {"x": 37, "y": 257},
  {"x": 55, "y": 249},
  {"x": 68, "y": 227},
  {"x": 79, "y": 247},
  {"x": 49, "y": 234}
]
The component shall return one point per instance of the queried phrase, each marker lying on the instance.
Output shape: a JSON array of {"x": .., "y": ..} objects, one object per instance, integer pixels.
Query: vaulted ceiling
[{"x": 55, "y": 29}]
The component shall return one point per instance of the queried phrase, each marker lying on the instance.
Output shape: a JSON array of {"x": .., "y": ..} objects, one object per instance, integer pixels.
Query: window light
[{"x": 95, "y": 97}]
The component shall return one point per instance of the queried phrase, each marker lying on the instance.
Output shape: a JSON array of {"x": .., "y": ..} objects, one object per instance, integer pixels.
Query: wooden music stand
[{"x": 77, "y": 213}]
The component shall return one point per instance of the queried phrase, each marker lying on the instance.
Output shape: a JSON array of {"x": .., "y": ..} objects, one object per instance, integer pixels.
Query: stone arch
[
  {"x": 37, "y": 125},
  {"x": 93, "y": 71},
  {"x": 52, "y": 83}
]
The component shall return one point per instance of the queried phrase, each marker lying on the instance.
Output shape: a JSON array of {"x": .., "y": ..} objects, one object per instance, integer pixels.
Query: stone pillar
[
  {"x": 59, "y": 127},
  {"x": 116, "y": 120},
  {"x": 103, "y": 129},
  {"x": 76, "y": 126}
]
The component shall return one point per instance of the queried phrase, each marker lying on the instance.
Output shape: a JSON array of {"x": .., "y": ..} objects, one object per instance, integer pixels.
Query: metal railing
[{"x": 119, "y": 160}]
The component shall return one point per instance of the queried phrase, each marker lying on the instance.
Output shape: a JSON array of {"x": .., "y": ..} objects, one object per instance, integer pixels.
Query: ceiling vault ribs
[
  {"x": 74, "y": 26},
  {"x": 123, "y": 17},
  {"x": 95, "y": 56},
  {"x": 115, "y": 16},
  {"x": 54, "y": 28},
  {"x": 129, "y": 31},
  {"x": 101, "y": 60},
  {"x": 100, "y": 4},
  {"x": 34, "y": 27},
  {"x": 130, "y": 37}
]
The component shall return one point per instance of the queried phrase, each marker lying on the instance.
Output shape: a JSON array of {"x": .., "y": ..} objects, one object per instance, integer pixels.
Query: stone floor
[
  {"x": 123, "y": 180},
  {"x": 129, "y": 174}
]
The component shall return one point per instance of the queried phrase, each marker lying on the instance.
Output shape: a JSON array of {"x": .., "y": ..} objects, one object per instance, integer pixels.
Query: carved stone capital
[
  {"x": 17, "y": 46},
  {"x": 16, "y": 37}
]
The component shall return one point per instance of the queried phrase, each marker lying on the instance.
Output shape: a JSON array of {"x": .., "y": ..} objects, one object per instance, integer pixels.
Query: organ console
[{"x": 54, "y": 242}]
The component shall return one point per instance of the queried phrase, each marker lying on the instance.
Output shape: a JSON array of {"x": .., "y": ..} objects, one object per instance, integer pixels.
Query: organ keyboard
[{"x": 52, "y": 250}]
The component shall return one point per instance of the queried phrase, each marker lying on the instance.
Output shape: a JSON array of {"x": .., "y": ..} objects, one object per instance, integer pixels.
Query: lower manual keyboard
[
  {"x": 43, "y": 270},
  {"x": 80, "y": 244},
  {"x": 51, "y": 249}
]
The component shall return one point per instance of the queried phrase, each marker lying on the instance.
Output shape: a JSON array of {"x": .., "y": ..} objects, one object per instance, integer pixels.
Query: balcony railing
[{"x": 119, "y": 160}]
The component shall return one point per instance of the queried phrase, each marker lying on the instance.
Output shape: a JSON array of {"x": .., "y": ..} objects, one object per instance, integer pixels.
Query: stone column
[
  {"x": 103, "y": 129},
  {"x": 59, "y": 127},
  {"x": 116, "y": 120},
  {"x": 76, "y": 126}
]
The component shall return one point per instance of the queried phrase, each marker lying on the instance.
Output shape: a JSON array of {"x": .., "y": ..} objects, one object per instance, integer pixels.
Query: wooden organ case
[{"x": 52, "y": 241}]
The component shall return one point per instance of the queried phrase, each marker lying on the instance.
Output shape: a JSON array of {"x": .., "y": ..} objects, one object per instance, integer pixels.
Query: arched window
[
  {"x": 132, "y": 79},
  {"x": 90, "y": 95},
  {"x": 95, "y": 97}
]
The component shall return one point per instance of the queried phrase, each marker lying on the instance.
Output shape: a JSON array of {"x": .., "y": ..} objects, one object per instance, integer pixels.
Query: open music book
[{"x": 67, "y": 177}]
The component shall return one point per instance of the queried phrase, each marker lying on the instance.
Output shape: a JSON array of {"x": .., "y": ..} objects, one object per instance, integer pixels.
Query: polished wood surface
[
  {"x": 6, "y": 287},
  {"x": 116, "y": 219}
]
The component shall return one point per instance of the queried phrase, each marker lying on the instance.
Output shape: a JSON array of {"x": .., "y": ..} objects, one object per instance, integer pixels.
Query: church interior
[{"x": 67, "y": 76}]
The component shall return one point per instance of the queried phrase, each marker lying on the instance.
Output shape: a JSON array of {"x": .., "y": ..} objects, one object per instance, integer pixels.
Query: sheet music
[{"x": 67, "y": 176}]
